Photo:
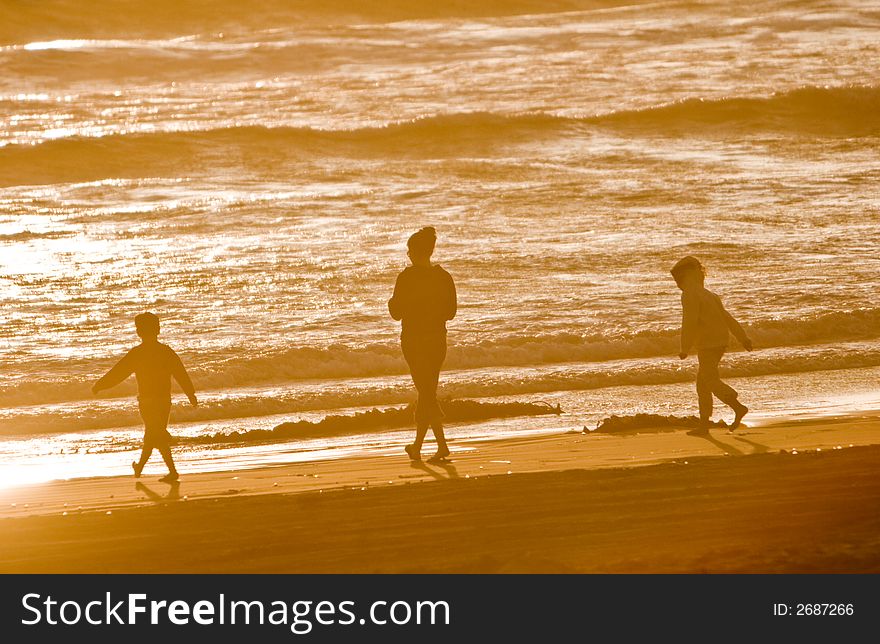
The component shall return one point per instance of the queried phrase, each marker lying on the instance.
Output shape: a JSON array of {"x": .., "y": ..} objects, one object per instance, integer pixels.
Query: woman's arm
[
  {"x": 451, "y": 307},
  {"x": 396, "y": 303}
]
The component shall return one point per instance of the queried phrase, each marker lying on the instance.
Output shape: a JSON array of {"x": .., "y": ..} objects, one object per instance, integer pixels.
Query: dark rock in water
[
  {"x": 647, "y": 422},
  {"x": 379, "y": 419}
]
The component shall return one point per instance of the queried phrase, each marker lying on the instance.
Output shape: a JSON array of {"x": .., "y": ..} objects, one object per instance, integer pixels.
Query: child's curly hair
[{"x": 684, "y": 266}]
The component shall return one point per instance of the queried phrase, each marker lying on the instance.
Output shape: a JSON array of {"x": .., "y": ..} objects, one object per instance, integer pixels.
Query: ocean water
[{"x": 251, "y": 175}]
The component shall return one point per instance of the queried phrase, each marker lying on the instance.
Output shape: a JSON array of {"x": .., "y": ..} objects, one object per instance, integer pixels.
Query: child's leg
[
  {"x": 707, "y": 374},
  {"x": 709, "y": 361},
  {"x": 724, "y": 392},
  {"x": 147, "y": 448},
  {"x": 155, "y": 414},
  {"x": 730, "y": 397}
]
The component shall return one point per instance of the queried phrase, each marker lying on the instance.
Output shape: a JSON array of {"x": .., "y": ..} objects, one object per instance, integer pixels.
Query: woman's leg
[
  {"x": 146, "y": 452},
  {"x": 165, "y": 451},
  {"x": 439, "y": 358},
  {"x": 440, "y": 437},
  {"x": 425, "y": 356},
  {"x": 413, "y": 354},
  {"x": 416, "y": 448}
]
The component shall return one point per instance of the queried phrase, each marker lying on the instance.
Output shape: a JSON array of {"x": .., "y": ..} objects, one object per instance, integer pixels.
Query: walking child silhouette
[
  {"x": 154, "y": 364},
  {"x": 708, "y": 325}
]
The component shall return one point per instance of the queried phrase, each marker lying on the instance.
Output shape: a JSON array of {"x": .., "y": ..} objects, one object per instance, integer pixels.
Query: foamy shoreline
[
  {"x": 471, "y": 459},
  {"x": 781, "y": 501}
]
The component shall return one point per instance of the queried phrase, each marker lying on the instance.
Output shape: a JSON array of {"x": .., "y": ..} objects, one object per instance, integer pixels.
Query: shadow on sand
[
  {"x": 757, "y": 448},
  {"x": 172, "y": 495},
  {"x": 445, "y": 470}
]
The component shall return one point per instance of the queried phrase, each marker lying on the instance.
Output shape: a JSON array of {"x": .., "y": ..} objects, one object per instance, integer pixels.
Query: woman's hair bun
[{"x": 422, "y": 242}]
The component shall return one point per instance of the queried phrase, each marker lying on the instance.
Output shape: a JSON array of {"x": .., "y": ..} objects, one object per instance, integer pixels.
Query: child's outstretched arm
[
  {"x": 737, "y": 331},
  {"x": 183, "y": 379},
  {"x": 121, "y": 370},
  {"x": 690, "y": 317}
]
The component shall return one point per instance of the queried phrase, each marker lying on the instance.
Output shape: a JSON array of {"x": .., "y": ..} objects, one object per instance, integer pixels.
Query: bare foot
[
  {"x": 413, "y": 454},
  {"x": 741, "y": 411},
  {"x": 441, "y": 455},
  {"x": 171, "y": 477},
  {"x": 137, "y": 470},
  {"x": 700, "y": 430}
]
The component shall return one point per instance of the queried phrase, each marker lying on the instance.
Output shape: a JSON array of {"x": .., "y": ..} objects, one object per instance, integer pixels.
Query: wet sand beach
[
  {"x": 503, "y": 221},
  {"x": 792, "y": 497}
]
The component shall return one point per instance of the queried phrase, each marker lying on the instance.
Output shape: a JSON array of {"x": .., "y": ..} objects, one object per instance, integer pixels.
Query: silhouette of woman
[{"x": 424, "y": 299}]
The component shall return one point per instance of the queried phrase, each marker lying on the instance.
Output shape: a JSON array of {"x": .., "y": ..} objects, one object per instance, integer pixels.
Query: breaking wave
[
  {"x": 850, "y": 110},
  {"x": 455, "y": 411},
  {"x": 71, "y": 19},
  {"x": 821, "y": 111},
  {"x": 485, "y": 383},
  {"x": 376, "y": 360}
]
